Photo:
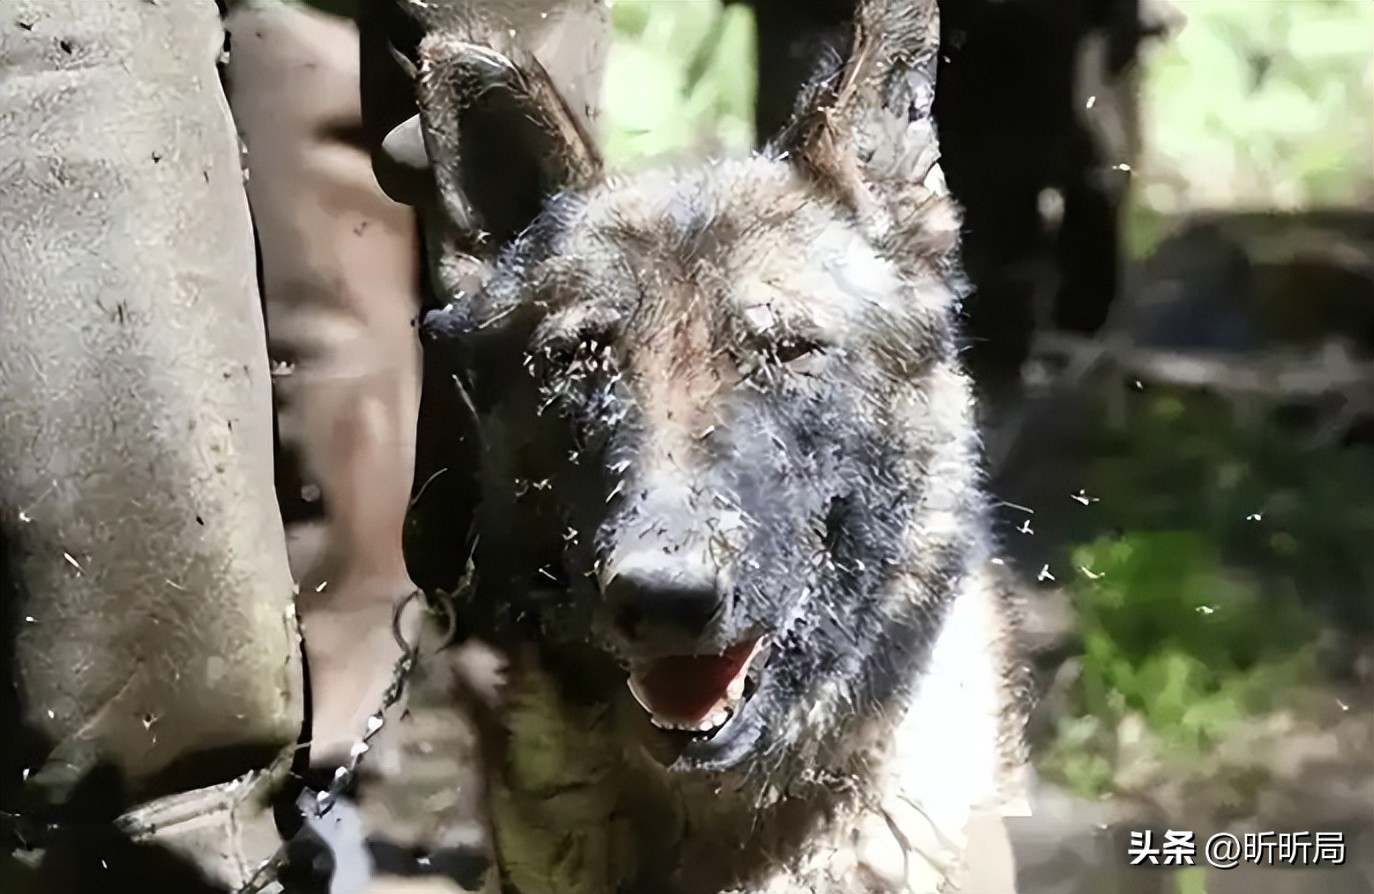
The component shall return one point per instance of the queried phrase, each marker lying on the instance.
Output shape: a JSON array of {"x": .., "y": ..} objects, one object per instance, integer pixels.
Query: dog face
[{"x": 727, "y": 438}]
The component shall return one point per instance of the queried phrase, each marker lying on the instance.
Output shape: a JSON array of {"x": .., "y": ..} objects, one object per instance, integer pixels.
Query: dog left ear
[
  {"x": 867, "y": 134},
  {"x": 494, "y": 138}
]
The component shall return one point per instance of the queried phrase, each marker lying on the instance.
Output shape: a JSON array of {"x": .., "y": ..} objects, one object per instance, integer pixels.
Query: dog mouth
[{"x": 698, "y": 694}]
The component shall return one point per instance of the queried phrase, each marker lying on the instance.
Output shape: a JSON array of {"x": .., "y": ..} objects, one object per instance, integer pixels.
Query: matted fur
[{"x": 747, "y": 367}]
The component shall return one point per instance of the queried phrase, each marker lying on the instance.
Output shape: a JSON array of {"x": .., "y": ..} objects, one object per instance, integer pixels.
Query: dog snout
[{"x": 659, "y": 601}]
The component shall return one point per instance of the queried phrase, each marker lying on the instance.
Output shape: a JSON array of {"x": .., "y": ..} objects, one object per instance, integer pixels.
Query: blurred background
[{"x": 1188, "y": 494}]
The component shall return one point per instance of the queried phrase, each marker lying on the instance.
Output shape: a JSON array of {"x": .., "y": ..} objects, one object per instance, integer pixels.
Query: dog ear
[
  {"x": 866, "y": 134},
  {"x": 493, "y": 140}
]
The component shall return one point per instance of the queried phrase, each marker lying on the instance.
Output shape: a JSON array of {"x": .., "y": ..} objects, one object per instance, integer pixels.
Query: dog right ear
[{"x": 866, "y": 133}]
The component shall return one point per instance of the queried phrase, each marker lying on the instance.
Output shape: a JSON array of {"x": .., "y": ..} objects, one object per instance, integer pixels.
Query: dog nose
[{"x": 663, "y": 601}]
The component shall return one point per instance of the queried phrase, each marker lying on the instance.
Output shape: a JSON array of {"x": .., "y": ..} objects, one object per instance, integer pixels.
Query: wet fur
[{"x": 751, "y": 362}]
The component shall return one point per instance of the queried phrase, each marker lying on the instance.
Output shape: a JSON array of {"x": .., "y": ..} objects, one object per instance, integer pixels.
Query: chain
[{"x": 264, "y": 879}]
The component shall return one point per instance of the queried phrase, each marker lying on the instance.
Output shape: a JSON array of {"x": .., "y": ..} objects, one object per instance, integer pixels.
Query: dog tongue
[{"x": 688, "y": 687}]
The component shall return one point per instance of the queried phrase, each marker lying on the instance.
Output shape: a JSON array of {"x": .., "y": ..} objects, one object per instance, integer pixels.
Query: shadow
[{"x": 81, "y": 849}]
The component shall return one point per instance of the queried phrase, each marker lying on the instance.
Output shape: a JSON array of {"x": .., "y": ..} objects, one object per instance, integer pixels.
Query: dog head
[{"x": 728, "y": 439}]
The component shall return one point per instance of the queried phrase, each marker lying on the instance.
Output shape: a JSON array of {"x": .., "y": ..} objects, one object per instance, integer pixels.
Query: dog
[{"x": 733, "y": 535}]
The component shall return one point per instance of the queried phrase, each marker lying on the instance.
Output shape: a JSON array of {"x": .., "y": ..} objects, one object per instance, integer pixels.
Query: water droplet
[
  {"x": 1092, "y": 101},
  {"x": 1205, "y": 610}
]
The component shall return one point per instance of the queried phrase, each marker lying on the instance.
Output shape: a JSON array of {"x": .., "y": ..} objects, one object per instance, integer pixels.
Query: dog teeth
[
  {"x": 735, "y": 691},
  {"x": 709, "y": 724},
  {"x": 722, "y": 711}
]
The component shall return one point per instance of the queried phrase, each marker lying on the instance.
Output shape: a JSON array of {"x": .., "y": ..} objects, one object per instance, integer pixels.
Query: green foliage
[
  {"x": 1233, "y": 545},
  {"x": 680, "y": 76},
  {"x": 1286, "y": 117},
  {"x": 1301, "y": 519},
  {"x": 1170, "y": 636}
]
